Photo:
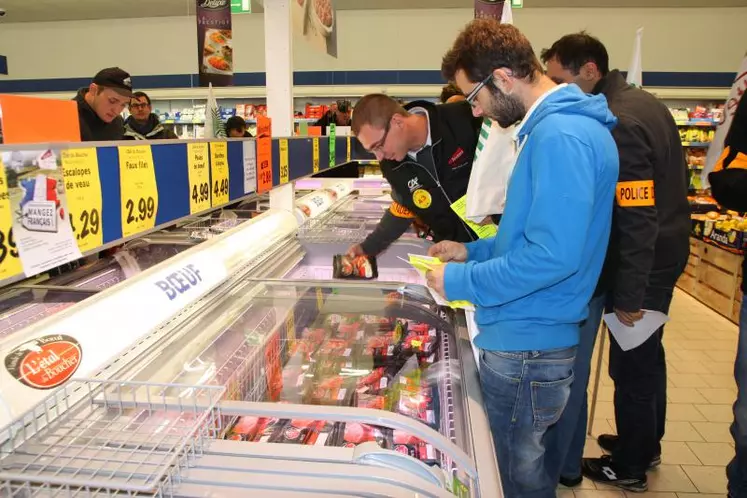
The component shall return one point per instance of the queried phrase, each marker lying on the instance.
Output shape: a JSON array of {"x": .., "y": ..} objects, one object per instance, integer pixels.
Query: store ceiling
[{"x": 63, "y": 10}]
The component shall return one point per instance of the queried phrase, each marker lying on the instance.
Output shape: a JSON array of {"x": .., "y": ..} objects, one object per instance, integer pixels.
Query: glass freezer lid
[{"x": 334, "y": 344}]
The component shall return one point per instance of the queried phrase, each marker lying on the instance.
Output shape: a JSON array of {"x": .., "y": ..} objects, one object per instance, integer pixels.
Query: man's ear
[
  {"x": 93, "y": 88},
  {"x": 589, "y": 71},
  {"x": 502, "y": 80}
]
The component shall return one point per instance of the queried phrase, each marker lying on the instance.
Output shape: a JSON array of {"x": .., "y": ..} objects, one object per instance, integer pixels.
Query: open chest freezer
[{"x": 277, "y": 382}]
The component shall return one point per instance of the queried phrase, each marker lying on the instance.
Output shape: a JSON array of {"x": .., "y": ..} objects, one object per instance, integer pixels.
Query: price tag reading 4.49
[
  {"x": 284, "y": 170},
  {"x": 199, "y": 177},
  {"x": 10, "y": 263},
  {"x": 315, "y": 155},
  {"x": 80, "y": 169},
  {"x": 219, "y": 170},
  {"x": 137, "y": 176}
]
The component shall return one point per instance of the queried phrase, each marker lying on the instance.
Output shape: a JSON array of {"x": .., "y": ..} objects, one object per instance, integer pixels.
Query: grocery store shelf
[
  {"x": 696, "y": 144},
  {"x": 698, "y": 122}
]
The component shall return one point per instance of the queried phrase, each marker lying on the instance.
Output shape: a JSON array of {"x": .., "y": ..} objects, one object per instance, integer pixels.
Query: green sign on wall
[
  {"x": 517, "y": 4},
  {"x": 245, "y": 6}
]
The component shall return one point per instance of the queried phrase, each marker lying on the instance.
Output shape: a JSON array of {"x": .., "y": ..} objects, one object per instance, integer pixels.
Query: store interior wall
[{"x": 370, "y": 40}]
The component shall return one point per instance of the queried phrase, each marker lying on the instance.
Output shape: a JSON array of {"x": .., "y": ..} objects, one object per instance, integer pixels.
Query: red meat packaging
[
  {"x": 410, "y": 445},
  {"x": 294, "y": 432},
  {"x": 358, "y": 267},
  {"x": 355, "y": 434}
]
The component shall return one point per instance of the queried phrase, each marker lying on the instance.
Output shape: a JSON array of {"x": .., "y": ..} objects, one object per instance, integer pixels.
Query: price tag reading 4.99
[
  {"x": 137, "y": 176},
  {"x": 219, "y": 170},
  {"x": 199, "y": 177},
  {"x": 284, "y": 171}
]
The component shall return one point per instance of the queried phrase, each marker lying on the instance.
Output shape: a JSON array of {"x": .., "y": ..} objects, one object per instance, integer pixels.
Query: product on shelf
[{"x": 359, "y": 267}]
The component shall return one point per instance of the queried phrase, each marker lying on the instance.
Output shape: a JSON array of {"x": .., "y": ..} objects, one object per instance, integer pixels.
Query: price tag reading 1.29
[
  {"x": 137, "y": 178},
  {"x": 10, "y": 263},
  {"x": 284, "y": 170},
  {"x": 199, "y": 177},
  {"x": 80, "y": 169},
  {"x": 219, "y": 170}
]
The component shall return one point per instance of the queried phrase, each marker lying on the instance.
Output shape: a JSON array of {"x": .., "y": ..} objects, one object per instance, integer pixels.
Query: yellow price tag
[
  {"x": 319, "y": 298},
  {"x": 219, "y": 171},
  {"x": 284, "y": 170},
  {"x": 290, "y": 325},
  {"x": 315, "y": 156},
  {"x": 199, "y": 177},
  {"x": 482, "y": 231},
  {"x": 10, "y": 262},
  {"x": 349, "y": 151},
  {"x": 139, "y": 192},
  {"x": 80, "y": 170}
]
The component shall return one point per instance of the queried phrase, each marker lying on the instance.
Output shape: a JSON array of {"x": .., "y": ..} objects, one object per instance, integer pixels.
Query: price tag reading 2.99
[
  {"x": 137, "y": 177},
  {"x": 219, "y": 170}
]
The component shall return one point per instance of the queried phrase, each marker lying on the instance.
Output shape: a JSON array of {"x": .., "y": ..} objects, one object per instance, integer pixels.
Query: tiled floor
[{"x": 700, "y": 348}]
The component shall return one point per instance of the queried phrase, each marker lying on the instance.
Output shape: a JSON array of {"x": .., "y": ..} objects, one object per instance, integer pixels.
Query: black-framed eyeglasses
[
  {"x": 380, "y": 144},
  {"x": 473, "y": 94},
  {"x": 138, "y": 105}
]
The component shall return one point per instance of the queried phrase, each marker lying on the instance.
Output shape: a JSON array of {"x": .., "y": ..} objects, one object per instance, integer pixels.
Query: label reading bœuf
[
  {"x": 45, "y": 362},
  {"x": 180, "y": 281}
]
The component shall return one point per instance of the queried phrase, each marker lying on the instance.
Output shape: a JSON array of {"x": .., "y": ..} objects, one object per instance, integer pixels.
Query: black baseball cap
[{"x": 115, "y": 78}]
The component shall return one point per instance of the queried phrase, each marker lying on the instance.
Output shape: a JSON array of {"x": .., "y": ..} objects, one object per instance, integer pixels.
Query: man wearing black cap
[{"x": 100, "y": 105}]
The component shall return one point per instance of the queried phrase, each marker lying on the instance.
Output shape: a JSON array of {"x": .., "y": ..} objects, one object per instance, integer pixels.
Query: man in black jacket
[
  {"x": 100, "y": 105},
  {"x": 142, "y": 123},
  {"x": 339, "y": 114},
  {"x": 426, "y": 153},
  {"x": 729, "y": 187},
  {"x": 648, "y": 251}
]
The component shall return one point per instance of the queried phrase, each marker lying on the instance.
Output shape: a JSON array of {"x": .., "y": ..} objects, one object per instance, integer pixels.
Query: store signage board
[
  {"x": 20, "y": 120},
  {"x": 284, "y": 167},
  {"x": 241, "y": 6},
  {"x": 316, "y": 22},
  {"x": 250, "y": 166},
  {"x": 332, "y": 145},
  {"x": 215, "y": 42},
  {"x": 219, "y": 172},
  {"x": 517, "y": 4},
  {"x": 79, "y": 346},
  {"x": 264, "y": 154},
  {"x": 139, "y": 192},
  {"x": 80, "y": 169}
]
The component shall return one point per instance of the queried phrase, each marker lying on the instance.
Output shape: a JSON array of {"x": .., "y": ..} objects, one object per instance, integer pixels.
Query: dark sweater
[{"x": 92, "y": 127}]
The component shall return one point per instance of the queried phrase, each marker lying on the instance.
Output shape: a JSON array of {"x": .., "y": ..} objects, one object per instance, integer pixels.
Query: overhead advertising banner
[
  {"x": 214, "y": 42},
  {"x": 316, "y": 22},
  {"x": 489, "y": 9}
]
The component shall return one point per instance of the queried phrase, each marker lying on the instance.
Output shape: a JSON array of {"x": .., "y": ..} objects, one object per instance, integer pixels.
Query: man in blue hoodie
[{"x": 532, "y": 283}]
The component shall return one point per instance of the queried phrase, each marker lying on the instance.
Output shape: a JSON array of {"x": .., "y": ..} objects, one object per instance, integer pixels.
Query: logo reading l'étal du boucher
[{"x": 45, "y": 362}]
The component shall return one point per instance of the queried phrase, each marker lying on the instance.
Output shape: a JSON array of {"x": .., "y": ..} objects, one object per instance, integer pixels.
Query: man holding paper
[
  {"x": 648, "y": 251},
  {"x": 531, "y": 284}
]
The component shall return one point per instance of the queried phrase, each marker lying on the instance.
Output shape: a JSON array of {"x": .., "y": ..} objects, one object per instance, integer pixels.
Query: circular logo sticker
[
  {"x": 45, "y": 362},
  {"x": 422, "y": 198}
]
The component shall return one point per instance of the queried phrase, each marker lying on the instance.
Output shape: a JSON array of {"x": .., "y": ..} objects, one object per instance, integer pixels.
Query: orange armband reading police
[
  {"x": 635, "y": 193},
  {"x": 400, "y": 211}
]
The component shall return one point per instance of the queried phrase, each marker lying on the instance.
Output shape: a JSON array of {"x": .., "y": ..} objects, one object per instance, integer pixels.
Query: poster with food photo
[
  {"x": 316, "y": 22},
  {"x": 215, "y": 42},
  {"x": 41, "y": 219}
]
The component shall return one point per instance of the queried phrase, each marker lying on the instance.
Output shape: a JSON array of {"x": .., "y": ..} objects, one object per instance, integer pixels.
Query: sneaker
[
  {"x": 571, "y": 482},
  {"x": 602, "y": 470},
  {"x": 608, "y": 442}
]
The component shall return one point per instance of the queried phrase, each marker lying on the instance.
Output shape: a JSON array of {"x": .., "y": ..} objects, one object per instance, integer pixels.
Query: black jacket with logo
[
  {"x": 151, "y": 130},
  {"x": 427, "y": 186},
  {"x": 649, "y": 244},
  {"x": 92, "y": 127},
  {"x": 729, "y": 178}
]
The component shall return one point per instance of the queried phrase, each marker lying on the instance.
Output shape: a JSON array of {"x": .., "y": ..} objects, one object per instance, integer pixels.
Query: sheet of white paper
[
  {"x": 631, "y": 337},
  {"x": 473, "y": 331}
]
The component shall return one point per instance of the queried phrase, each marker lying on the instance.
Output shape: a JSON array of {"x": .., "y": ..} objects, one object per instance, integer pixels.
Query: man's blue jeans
[
  {"x": 565, "y": 448},
  {"x": 737, "y": 469},
  {"x": 525, "y": 393}
]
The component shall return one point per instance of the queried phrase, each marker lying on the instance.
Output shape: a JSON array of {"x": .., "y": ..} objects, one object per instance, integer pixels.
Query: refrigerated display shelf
[
  {"x": 305, "y": 272},
  {"x": 97, "y": 444}
]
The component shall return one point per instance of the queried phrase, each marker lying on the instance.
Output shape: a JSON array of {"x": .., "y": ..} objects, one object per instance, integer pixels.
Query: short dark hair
[
  {"x": 235, "y": 123},
  {"x": 140, "y": 95},
  {"x": 375, "y": 110},
  {"x": 449, "y": 91},
  {"x": 575, "y": 50},
  {"x": 486, "y": 45}
]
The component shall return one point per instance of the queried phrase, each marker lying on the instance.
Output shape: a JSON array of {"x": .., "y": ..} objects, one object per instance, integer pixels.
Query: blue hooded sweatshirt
[{"x": 531, "y": 284}]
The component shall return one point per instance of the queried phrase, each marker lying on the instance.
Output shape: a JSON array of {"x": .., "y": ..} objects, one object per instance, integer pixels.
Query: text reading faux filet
[{"x": 635, "y": 194}]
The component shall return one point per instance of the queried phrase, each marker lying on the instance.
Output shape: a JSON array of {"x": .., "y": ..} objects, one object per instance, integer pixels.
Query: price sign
[
  {"x": 332, "y": 144},
  {"x": 264, "y": 154},
  {"x": 139, "y": 196},
  {"x": 80, "y": 170},
  {"x": 10, "y": 263},
  {"x": 250, "y": 166},
  {"x": 290, "y": 326},
  {"x": 219, "y": 172},
  {"x": 199, "y": 177},
  {"x": 284, "y": 170},
  {"x": 319, "y": 298},
  {"x": 315, "y": 155},
  {"x": 349, "y": 151}
]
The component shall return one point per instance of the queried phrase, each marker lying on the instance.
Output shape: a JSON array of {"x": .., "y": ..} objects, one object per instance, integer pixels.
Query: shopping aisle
[{"x": 700, "y": 347}]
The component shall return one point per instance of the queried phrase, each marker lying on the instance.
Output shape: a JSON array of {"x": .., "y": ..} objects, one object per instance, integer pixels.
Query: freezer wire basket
[
  {"x": 107, "y": 438},
  {"x": 333, "y": 228}
]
